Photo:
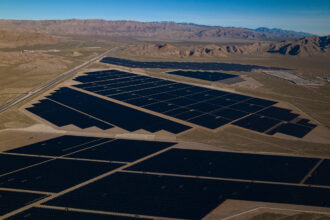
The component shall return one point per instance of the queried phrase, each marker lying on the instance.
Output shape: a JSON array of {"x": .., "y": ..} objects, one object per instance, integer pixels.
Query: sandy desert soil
[{"x": 22, "y": 71}]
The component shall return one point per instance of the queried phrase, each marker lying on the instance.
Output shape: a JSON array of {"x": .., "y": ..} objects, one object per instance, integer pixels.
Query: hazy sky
[{"x": 301, "y": 15}]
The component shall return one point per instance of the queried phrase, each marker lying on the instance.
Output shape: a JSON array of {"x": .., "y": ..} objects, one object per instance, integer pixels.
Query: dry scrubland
[
  {"x": 277, "y": 216},
  {"x": 315, "y": 101},
  {"x": 20, "y": 72},
  {"x": 12, "y": 39},
  {"x": 23, "y": 71},
  {"x": 311, "y": 100},
  {"x": 305, "y": 47}
]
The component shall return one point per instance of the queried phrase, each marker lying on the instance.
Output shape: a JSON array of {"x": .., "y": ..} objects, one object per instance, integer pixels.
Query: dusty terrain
[
  {"x": 22, "y": 71},
  {"x": 304, "y": 47},
  {"x": 25, "y": 66},
  {"x": 151, "y": 30},
  {"x": 14, "y": 39}
]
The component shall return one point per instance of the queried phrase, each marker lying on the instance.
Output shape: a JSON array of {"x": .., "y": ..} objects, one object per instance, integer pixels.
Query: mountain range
[
  {"x": 220, "y": 41},
  {"x": 14, "y": 39},
  {"x": 153, "y": 30},
  {"x": 307, "y": 46}
]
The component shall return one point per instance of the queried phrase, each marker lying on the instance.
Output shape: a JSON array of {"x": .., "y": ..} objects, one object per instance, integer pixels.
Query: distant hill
[
  {"x": 288, "y": 33},
  {"x": 308, "y": 46},
  {"x": 259, "y": 34},
  {"x": 14, "y": 39},
  {"x": 151, "y": 30}
]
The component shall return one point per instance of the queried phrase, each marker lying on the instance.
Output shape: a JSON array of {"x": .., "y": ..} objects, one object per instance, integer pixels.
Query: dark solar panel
[
  {"x": 9, "y": 163},
  {"x": 56, "y": 175},
  {"x": 119, "y": 115},
  {"x": 11, "y": 201},
  {"x": 161, "y": 107},
  {"x": 59, "y": 146},
  {"x": 278, "y": 113},
  {"x": 186, "y": 102},
  {"x": 61, "y": 115},
  {"x": 305, "y": 122},
  {"x": 229, "y": 165},
  {"x": 291, "y": 129},
  {"x": 185, "y": 65},
  {"x": 209, "y": 121},
  {"x": 209, "y": 76},
  {"x": 320, "y": 176},
  {"x": 180, "y": 197},
  {"x": 36, "y": 213},
  {"x": 230, "y": 113},
  {"x": 257, "y": 123},
  {"x": 122, "y": 150}
]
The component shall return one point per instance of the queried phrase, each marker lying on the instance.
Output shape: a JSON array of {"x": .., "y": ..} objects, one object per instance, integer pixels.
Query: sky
[{"x": 311, "y": 16}]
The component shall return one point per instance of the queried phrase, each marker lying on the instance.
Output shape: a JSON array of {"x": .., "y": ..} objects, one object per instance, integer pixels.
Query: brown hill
[
  {"x": 154, "y": 30},
  {"x": 167, "y": 50},
  {"x": 237, "y": 33},
  {"x": 14, "y": 39},
  {"x": 308, "y": 46}
]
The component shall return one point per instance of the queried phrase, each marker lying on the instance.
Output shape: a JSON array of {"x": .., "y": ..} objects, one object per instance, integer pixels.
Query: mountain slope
[
  {"x": 14, "y": 39},
  {"x": 287, "y": 33},
  {"x": 308, "y": 46},
  {"x": 159, "y": 30}
]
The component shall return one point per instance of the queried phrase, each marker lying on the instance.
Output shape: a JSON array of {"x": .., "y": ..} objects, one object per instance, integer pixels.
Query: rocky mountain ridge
[
  {"x": 308, "y": 46},
  {"x": 15, "y": 39},
  {"x": 135, "y": 29}
]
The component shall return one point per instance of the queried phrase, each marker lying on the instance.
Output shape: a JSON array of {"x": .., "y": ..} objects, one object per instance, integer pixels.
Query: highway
[{"x": 46, "y": 85}]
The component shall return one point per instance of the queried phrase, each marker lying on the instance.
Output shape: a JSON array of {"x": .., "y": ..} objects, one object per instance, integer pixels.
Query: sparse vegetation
[
  {"x": 31, "y": 59},
  {"x": 300, "y": 216},
  {"x": 22, "y": 71},
  {"x": 237, "y": 139}
]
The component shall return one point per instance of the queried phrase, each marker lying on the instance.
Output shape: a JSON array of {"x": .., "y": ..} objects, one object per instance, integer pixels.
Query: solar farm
[
  {"x": 208, "y": 76},
  {"x": 116, "y": 154},
  {"x": 189, "y": 105},
  {"x": 185, "y": 65},
  {"x": 107, "y": 178}
]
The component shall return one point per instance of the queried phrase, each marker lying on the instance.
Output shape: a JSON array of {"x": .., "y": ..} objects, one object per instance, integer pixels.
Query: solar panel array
[
  {"x": 37, "y": 213},
  {"x": 151, "y": 178},
  {"x": 185, "y": 65},
  {"x": 229, "y": 165},
  {"x": 62, "y": 115},
  {"x": 11, "y": 201},
  {"x": 205, "y": 107},
  {"x": 208, "y": 76},
  {"x": 94, "y": 111},
  {"x": 180, "y": 197}
]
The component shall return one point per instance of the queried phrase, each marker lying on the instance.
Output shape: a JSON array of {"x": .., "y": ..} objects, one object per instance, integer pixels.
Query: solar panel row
[
  {"x": 36, "y": 213},
  {"x": 87, "y": 148},
  {"x": 9, "y": 163},
  {"x": 103, "y": 74},
  {"x": 59, "y": 146},
  {"x": 202, "y": 106},
  {"x": 61, "y": 115},
  {"x": 321, "y": 175},
  {"x": 180, "y": 197},
  {"x": 160, "y": 194},
  {"x": 228, "y": 165},
  {"x": 185, "y": 65},
  {"x": 109, "y": 113},
  {"x": 11, "y": 201},
  {"x": 209, "y": 76},
  {"x": 61, "y": 173},
  {"x": 291, "y": 129},
  {"x": 56, "y": 175}
]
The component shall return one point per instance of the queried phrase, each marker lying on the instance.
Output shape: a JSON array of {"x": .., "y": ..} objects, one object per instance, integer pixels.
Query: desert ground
[{"x": 24, "y": 67}]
